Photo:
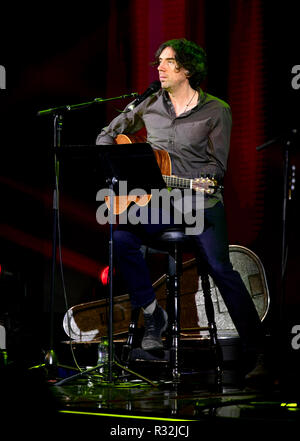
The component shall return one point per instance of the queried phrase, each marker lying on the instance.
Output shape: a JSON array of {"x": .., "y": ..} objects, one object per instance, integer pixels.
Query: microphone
[{"x": 154, "y": 87}]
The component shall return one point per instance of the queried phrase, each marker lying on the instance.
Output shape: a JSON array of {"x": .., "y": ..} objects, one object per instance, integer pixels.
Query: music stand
[{"x": 135, "y": 164}]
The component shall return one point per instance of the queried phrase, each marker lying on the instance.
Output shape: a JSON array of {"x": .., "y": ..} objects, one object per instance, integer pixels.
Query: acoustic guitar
[{"x": 202, "y": 184}]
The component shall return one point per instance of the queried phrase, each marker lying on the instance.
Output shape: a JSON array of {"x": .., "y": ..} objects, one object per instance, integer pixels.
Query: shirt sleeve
[
  {"x": 127, "y": 122},
  {"x": 219, "y": 142}
]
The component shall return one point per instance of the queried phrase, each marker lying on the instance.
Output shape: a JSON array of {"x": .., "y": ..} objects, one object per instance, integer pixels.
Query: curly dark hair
[{"x": 188, "y": 55}]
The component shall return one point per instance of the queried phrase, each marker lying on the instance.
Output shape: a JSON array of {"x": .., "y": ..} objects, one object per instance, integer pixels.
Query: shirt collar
[{"x": 201, "y": 98}]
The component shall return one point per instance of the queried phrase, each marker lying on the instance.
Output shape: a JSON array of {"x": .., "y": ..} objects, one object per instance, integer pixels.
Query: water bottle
[{"x": 103, "y": 356}]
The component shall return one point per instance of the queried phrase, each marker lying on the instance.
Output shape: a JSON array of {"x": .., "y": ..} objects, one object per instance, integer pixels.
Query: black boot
[{"x": 155, "y": 325}]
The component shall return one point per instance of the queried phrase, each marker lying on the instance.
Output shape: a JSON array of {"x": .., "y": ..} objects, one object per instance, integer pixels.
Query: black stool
[{"x": 174, "y": 241}]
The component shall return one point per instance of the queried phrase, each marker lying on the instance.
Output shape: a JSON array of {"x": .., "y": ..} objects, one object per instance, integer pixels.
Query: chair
[{"x": 174, "y": 241}]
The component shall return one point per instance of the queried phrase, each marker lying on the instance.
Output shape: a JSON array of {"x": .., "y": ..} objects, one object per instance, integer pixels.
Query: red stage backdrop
[
  {"x": 112, "y": 56},
  {"x": 246, "y": 84},
  {"x": 154, "y": 21}
]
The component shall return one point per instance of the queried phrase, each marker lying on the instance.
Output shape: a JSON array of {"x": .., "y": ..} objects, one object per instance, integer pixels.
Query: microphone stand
[
  {"x": 112, "y": 182},
  {"x": 288, "y": 143},
  {"x": 50, "y": 357},
  {"x": 67, "y": 107},
  {"x": 57, "y": 112}
]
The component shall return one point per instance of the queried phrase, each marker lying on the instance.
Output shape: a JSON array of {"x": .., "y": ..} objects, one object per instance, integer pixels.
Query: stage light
[
  {"x": 104, "y": 275},
  {"x": 291, "y": 405}
]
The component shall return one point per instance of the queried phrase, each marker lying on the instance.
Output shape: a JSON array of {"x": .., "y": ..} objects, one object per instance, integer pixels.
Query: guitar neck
[{"x": 175, "y": 182}]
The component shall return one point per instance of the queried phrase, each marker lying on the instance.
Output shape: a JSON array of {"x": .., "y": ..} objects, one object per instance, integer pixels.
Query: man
[{"x": 194, "y": 128}]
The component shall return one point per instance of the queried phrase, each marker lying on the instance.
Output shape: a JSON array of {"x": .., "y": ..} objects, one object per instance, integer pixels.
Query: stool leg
[
  {"x": 127, "y": 347},
  {"x": 210, "y": 314},
  {"x": 174, "y": 292}
]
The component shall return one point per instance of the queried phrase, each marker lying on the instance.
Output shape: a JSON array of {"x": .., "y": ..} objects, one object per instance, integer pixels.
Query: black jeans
[{"x": 212, "y": 245}]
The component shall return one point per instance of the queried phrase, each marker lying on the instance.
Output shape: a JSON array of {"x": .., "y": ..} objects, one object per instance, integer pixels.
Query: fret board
[{"x": 174, "y": 181}]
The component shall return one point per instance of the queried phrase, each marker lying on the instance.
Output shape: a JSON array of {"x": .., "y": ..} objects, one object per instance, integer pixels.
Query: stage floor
[
  {"x": 67, "y": 401},
  {"x": 191, "y": 407},
  {"x": 138, "y": 410}
]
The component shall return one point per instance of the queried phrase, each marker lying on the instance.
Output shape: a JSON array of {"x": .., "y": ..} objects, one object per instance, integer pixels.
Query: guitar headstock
[{"x": 205, "y": 185}]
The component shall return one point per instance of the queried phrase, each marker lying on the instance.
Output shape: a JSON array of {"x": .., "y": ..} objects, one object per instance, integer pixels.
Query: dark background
[{"x": 58, "y": 54}]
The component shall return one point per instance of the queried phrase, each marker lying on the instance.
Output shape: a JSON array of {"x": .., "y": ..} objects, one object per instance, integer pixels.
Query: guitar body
[
  {"x": 162, "y": 156},
  {"x": 121, "y": 203},
  {"x": 207, "y": 185}
]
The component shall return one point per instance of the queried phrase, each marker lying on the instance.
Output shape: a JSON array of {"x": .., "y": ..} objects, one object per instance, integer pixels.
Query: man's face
[{"x": 170, "y": 75}]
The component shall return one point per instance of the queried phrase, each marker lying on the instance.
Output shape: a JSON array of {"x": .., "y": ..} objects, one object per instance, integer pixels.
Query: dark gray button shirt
[{"x": 197, "y": 141}]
